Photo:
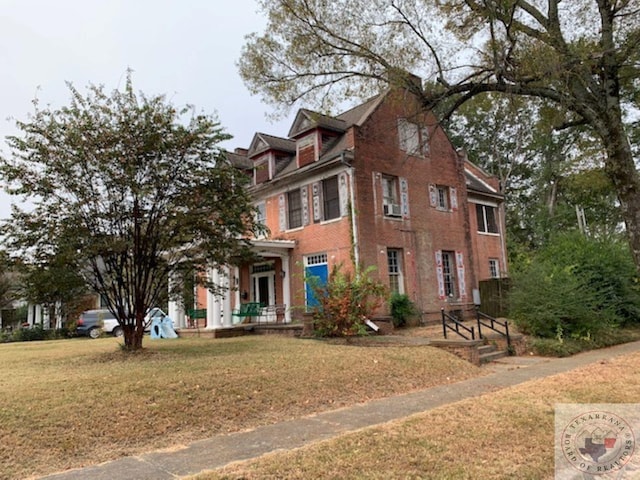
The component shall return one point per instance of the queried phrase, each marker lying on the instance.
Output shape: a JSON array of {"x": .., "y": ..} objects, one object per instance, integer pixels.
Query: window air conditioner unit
[{"x": 392, "y": 210}]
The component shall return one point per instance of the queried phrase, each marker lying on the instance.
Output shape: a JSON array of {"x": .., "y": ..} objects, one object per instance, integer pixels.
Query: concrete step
[
  {"x": 490, "y": 357},
  {"x": 484, "y": 349}
]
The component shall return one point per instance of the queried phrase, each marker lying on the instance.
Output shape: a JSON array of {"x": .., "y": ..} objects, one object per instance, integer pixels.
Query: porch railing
[{"x": 449, "y": 322}]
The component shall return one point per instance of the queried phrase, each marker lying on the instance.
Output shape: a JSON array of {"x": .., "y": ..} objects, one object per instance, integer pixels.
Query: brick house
[{"x": 381, "y": 185}]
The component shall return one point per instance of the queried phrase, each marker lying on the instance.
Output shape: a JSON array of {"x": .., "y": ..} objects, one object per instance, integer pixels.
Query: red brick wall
[{"x": 426, "y": 229}]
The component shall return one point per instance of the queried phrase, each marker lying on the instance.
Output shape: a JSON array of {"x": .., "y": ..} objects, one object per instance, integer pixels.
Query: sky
[{"x": 186, "y": 49}]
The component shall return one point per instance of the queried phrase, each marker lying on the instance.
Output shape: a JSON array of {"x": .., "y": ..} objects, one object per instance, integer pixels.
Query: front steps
[{"x": 489, "y": 353}]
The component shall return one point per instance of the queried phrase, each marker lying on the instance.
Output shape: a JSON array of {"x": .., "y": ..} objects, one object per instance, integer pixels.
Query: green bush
[
  {"x": 576, "y": 287},
  {"x": 35, "y": 333},
  {"x": 402, "y": 309},
  {"x": 345, "y": 302},
  {"x": 564, "y": 347}
]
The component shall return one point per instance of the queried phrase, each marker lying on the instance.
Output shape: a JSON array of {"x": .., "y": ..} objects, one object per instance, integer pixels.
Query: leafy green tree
[
  {"x": 50, "y": 282},
  {"x": 547, "y": 176},
  {"x": 576, "y": 286},
  {"x": 8, "y": 285},
  {"x": 134, "y": 189},
  {"x": 580, "y": 56}
]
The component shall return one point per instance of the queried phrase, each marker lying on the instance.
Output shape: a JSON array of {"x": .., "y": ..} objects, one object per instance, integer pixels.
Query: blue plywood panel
[{"x": 321, "y": 272}]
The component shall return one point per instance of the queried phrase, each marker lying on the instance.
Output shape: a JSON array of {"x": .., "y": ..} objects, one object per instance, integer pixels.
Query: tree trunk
[
  {"x": 133, "y": 337},
  {"x": 620, "y": 168}
]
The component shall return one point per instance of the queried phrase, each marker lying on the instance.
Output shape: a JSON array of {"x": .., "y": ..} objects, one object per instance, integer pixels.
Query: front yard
[{"x": 73, "y": 403}]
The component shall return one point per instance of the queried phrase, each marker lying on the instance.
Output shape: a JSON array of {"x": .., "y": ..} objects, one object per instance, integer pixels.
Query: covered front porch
[{"x": 256, "y": 293}]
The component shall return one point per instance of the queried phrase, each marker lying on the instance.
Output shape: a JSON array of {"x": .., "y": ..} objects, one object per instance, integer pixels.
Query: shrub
[
  {"x": 345, "y": 302},
  {"x": 575, "y": 287},
  {"x": 402, "y": 309},
  {"x": 35, "y": 333}
]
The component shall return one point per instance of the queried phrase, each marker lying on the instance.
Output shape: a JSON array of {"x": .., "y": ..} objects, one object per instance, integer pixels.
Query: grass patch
[
  {"x": 73, "y": 403},
  {"x": 504, "y": 435}
]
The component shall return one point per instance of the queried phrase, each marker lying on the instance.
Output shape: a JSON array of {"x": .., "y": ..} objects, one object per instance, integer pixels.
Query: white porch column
[
  {"x": 236, "y": 293},
  {"x": 226, "y": 301},
  {"x": 214, "y": 320},
  {"x": 177, "y": 314},
  {"x": 286, "y": 288},
  {"x": 176, "y": 309},
  {"x": 38, "y": 315},
  {"x": 30, "y": 314}
]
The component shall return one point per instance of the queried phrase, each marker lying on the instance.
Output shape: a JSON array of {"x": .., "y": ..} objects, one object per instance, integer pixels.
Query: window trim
[
  {"x": 449, "y": 279},
  {"x": 393, "y": 201},
  {"x": 398, "y": 274},
  {"x": 483, "y": 225},
  {"x": 494, "y": 268},
  {"x": 299, "y": 209},
  {"x": 335, "y": 200},
  {"x": 443, "y": 193}
]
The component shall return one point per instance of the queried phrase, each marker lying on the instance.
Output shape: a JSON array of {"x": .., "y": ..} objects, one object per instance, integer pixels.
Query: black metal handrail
[
  {"x": 490, "y": 322},
  {"x": 457, "y": 325}
]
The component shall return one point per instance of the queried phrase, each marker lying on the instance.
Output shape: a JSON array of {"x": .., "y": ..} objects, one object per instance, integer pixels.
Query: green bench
[{"x": 249, "y": 309}]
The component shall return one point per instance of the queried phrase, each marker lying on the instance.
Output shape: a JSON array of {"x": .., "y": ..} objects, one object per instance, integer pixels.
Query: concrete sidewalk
[{"x": 223, "y": 449}]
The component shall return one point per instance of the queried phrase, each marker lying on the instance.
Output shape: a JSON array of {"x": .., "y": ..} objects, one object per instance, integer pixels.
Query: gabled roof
[
  {"x": 308, "y": 120},
  {"x": 239, "y": 161},
  {"x": 262, "y": 142},
  {"x": 358, "y": 114}
]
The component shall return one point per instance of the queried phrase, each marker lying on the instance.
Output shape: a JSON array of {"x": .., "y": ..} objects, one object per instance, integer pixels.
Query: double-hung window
[
  {"x": 449, "y": 273},
  {"x": 330, "y": 198},
  {"x": 394, "y": 265},
  {"x": 294, "y": 203}
]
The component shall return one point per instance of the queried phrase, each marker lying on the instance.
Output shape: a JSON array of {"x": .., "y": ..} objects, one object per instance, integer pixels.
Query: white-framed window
[
  {"x": 413, "y": 138},
  {"x": 494, "y": 268},
  {"x": 390, "y": 197},
  {"x": 442, "y": 198},
  {"x": 395, "y": 270},
  {"x": 449, "y": 273},
  {"x": 294, "y": 206},
  {"x": 486, "y": 215}
]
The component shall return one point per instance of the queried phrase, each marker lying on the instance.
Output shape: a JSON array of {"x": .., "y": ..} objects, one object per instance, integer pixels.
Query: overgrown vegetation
[
  {"x": 345, "y": 301},
  {"x": 576, "y": 288},
  {"x": 402, "y": 309},
  {"x": 34, "y": 334}
]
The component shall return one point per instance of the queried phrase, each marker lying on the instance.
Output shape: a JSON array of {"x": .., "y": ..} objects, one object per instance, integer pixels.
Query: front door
[{"x": 264, "y": 288}]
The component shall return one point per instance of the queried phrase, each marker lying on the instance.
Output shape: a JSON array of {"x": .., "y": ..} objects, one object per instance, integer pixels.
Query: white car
[{"x": 93, "y": 322}]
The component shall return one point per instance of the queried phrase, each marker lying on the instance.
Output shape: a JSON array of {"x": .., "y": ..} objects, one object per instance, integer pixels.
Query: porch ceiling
[{"x": 273, "y": 247}]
